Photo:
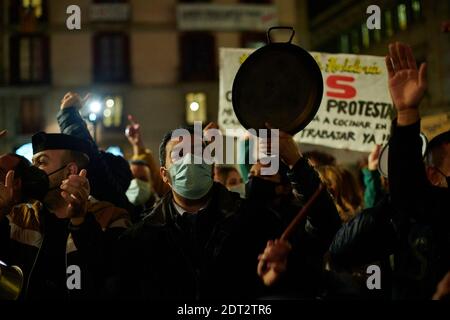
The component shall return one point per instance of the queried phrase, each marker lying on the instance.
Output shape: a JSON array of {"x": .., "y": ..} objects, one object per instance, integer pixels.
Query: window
[
  {"x": 111, "y": 58},
  {"x": 24, "y": 11},
  {"x": 29, "y": 59},
  {"x": 388, "y": 23},
  {"x": 355, "y": 40},
  {"x": 195, "y": 107},
  {"x": 365, "y": 36},
  {"x": 197, "y": 57},
  {"x": 345, "y": 43},
  {"x": 376, "y": 35},
  {"x": 31, "y": 115},
  {"x": 112, "y": 112},
  {"x": 416, "y": 7},
  {"x": 402, "y": 17}
]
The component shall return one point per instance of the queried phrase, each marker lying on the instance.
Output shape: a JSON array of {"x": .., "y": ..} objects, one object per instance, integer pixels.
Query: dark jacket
[
  {"x": 157, "y": 261},
  {"x": 159, "y": 258},
  {"x": 422, "y": 219},
  {"x": 370, "y": 238},
  {"x": 109, "y": 175},
  {"x": 44, "y": 246}
]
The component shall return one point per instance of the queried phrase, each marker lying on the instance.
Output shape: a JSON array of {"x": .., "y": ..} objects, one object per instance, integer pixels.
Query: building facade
[
  {"x": 134, "y": 57},
  {"x": 340, "y": 26}
]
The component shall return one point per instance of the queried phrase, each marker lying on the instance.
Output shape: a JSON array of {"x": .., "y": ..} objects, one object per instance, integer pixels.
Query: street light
[
  {"x": 94, "y": 109},
  {"x": 194, "y": 106}
]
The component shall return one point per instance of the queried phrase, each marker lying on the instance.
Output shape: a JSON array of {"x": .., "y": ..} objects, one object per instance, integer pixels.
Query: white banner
[
  {"x": 233, "y": 17},
  {"x": 356, "y": 107}
]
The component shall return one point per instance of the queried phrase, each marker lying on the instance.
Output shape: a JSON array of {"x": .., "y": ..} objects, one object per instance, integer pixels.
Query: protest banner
[{"x": 356, "y": 107}]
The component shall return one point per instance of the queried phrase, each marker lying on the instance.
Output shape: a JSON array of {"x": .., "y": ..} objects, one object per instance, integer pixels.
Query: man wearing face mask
[
  {"x": 140, "y": 191},
  {"x": 65, "y": 228},
  {"x": 143, "y": 165},
  {"x": 28, "y": 183},
  {"x": 202, "y": 241},
  {"x": 146, "y": 187}
]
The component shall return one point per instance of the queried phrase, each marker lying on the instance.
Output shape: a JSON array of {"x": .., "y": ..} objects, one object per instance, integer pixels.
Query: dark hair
[
  {"x": 166, "y": 139},
  {"x": 224, "y": 171},
  {"x": 321, "y": 158},
  {"x": 21, "y": 166},
  {"x": 347, "y": 192},
  {"x": 435, "y": 154},
  {"x": 81, "y": 159}
]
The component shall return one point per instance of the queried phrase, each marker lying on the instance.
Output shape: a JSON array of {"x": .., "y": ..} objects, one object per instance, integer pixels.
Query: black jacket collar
[{"x": 226, "y": 203}]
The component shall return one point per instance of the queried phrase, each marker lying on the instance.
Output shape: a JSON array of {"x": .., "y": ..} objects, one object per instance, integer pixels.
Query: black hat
[
  {"x": 438, "y": 140},
  {"x": 58, "y": 141}
]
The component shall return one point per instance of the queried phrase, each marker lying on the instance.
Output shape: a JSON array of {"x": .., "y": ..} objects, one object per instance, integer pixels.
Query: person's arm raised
[{"x": 407, "y": 84}]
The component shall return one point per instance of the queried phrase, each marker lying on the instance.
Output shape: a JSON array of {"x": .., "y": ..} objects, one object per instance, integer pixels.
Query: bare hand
[
  {"x": 406, "y": 84},
  {"x": 72, "y": 99},
  {"x": 75, "y": 192},
  {"x": 6, "y": 194},
  {"x": 372, "y": 163},
  {"x": 133, "y": 133},
  {"x": 443, "y": 288},
  {"x": 3, "y": 133},
  {"x": 273, "y": 261}
]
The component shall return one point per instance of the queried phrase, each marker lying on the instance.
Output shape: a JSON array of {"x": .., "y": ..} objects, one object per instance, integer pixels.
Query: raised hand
[
  {"x": 6, "y": 194},
  {"x": 75, "y": 192},
  {"x": 133, "y": 133},
  {"x": 72, "y": 99},
  {"x": 407, "y": 84},
  {"x": 372, "y": 163}
]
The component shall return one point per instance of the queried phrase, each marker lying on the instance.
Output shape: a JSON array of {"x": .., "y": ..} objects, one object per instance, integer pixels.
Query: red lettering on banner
[{"x": 345, "y": 91}]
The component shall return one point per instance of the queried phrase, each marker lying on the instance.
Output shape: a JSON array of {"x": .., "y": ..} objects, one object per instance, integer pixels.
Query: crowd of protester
[{"x": 140, "y": 229}]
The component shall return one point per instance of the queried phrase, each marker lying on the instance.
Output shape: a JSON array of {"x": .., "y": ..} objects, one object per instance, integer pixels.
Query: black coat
[
  {"x": 414, "y": 224},
  {"x": 109, "y": 175},
  {"x": 422, "y": 217},
  {"x": 369, "y": 238},
  {"x": 156, "y": 261}
]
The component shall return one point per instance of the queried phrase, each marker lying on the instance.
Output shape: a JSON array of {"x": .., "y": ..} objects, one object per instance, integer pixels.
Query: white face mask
[
  {"x": 138, "y": 192},
  {"x": 240, "y": 188}
]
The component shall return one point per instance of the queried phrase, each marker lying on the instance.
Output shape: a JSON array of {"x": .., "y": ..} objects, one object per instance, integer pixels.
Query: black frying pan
[{"x": 279, "y": 83}]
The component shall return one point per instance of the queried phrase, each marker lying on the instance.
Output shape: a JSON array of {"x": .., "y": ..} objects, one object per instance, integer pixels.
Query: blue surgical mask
[
  {"x": 139, "y": 192},
  {"x": 190, "y": 180}
]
